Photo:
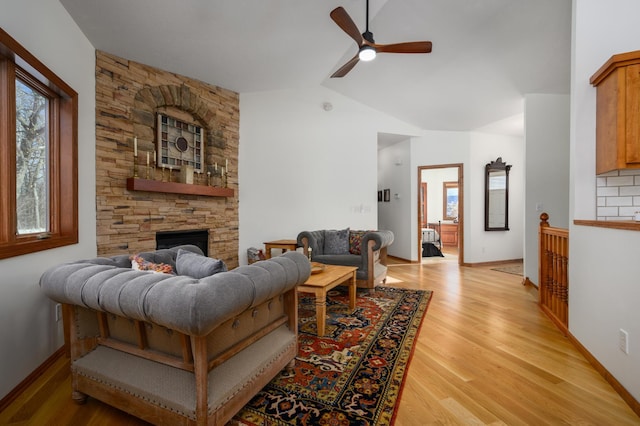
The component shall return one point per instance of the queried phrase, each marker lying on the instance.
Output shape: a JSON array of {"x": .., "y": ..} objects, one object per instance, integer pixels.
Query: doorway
[{"x": 441, "y": 207}]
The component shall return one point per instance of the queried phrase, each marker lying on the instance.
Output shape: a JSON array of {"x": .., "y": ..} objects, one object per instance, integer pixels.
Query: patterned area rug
[
  {"x": 517, "y": 269},
  {"x": 354, "y": 374}
]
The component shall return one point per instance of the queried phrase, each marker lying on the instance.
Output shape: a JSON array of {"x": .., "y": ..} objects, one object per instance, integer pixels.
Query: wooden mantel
[{"x": 136, "y": 184}]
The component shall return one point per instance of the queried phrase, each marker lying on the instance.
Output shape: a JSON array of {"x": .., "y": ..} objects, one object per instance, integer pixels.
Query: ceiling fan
[{"x": 367, "y": 48}]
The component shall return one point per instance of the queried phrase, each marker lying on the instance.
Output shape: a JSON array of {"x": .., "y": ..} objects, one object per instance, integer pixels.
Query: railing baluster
[{"x": 553, "y": 272}]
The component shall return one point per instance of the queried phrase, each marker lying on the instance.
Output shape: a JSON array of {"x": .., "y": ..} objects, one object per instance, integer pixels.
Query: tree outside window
[
  {"x": 450, "y": 200},
  {"x": 32, "y": 192}
]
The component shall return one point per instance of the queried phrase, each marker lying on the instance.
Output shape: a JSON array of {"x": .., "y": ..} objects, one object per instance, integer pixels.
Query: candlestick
[
  {"x": 147, "y": 158},
  {"x": 208, "y": 178},
  {"x": 135, "y": 157}
]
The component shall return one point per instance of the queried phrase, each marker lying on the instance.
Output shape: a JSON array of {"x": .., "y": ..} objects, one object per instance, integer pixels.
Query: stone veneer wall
[{"x": 128, "y": 96}]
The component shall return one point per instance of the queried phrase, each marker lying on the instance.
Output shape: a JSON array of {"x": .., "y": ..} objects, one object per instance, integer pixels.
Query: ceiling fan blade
[
  {"x": 346, "y": 67},
  {"x": 344, "y": 21},
  {"x": 409, "y": 47}
]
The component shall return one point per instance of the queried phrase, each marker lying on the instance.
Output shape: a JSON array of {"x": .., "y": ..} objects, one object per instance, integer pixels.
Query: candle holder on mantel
[{"x": 135, "y": 156}]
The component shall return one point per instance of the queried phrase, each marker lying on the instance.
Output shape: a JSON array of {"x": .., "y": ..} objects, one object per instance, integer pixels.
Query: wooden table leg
[
  {"x": 321, "y": 311},
  {"x": 352, "y": 292}
]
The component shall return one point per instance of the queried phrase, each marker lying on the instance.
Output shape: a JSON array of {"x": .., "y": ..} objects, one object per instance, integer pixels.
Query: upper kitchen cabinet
[{"x": 618, "y": 113}]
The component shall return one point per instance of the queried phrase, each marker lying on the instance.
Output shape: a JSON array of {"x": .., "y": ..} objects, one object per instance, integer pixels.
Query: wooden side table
[{"x": 280, "y": 244}]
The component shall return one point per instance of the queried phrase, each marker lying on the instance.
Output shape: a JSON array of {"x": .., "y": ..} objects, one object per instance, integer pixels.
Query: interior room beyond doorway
[{"x": 440, "y": 207}]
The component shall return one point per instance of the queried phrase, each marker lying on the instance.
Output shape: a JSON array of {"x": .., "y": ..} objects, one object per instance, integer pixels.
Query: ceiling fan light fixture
[
  {"x": 367, "y": 53},
  {"x": 367, "y": 48}
]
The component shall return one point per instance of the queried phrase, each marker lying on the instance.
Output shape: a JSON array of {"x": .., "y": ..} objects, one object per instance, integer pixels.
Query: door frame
[
  {"x": 422, "y": 199},
  {"x": 460, "y": 168}
]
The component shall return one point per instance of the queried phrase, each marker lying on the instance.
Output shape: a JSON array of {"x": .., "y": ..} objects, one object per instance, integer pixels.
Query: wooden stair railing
[{"x": 553, "y": 273}]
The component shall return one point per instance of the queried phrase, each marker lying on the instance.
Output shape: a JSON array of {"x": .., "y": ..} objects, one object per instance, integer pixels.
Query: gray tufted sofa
[
  {"x": 371, "y": 260},
  {"x": 175, "y": 349}
]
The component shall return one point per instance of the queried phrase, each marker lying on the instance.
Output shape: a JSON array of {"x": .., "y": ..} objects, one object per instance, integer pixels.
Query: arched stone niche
[{"x": 177, "y": 101}]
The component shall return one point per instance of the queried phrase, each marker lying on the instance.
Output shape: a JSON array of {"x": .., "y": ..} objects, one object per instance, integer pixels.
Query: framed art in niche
[{"x": 179, "y": 143}]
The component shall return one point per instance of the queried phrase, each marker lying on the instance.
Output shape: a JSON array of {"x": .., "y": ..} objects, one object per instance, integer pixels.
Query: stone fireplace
[{"x": 129, "y": 96}]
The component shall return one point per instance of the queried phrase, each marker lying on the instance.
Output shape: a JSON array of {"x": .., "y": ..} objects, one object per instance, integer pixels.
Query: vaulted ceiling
[{"x": 487, "y": 54}]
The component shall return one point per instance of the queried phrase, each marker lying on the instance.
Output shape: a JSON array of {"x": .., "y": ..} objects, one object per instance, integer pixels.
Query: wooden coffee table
[{"x": 319, "y": 284}]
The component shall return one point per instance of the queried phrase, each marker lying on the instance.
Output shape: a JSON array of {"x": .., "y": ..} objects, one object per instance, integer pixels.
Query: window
[
  {"x": 38, "y": 155},
  {"x": 450, "y": 201}
]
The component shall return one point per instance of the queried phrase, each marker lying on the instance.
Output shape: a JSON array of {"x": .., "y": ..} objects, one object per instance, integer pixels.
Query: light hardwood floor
[{"x": 486, "y": 355}]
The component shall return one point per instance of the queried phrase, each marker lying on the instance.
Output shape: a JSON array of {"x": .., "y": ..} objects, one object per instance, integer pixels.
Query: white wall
[
  {"x": 304, "y": 168},
  {"x": 28, "y": 331},
  {"x": 397, "y": 178},
  {"x": 491, "y": 246},
  {"x": 603, "y": 263},
  {"x": 473, "y": 150},
  {"x": 547, "y": 174},
  {"x": 431, "y": 148}
]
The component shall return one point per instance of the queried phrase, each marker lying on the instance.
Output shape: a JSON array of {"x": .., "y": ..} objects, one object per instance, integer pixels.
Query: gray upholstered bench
[{"x": 175, "y": 349}]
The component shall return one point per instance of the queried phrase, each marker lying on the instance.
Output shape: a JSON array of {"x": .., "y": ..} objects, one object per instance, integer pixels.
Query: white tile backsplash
[
  {"x": 629, "y": 172},
  {"x": 628, "y": 212},
  {"x": 619, "y": 201},
  {"x": 629, "y": 190},
  {"x": 607, "y": 211},
  {"x": 618, "y": 194},
  {"x": 620, "y": 181},
  {"x": 607, "y": 191}
]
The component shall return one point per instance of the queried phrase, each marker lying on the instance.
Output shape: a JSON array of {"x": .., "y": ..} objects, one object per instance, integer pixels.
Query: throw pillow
[
  {"x": 139, "y": 264},
  {"x": 336, "y": 242},
  {"x": 197, "y": 266},
  {"x": 355, "y": 241}
]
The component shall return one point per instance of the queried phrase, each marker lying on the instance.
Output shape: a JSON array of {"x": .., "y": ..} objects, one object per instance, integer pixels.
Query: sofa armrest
[
  {"x": 380, "y": 238},
  {"x": 376, "y": 241},
  {"x": 313, "y": 239}
]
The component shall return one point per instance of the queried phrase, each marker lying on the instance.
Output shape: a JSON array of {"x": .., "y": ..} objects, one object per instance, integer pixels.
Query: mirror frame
[{"x": 496, "y": 166}]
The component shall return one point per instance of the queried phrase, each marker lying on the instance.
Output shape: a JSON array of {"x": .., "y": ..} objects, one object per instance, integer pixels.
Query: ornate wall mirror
[{"x": 496, "y": 201}]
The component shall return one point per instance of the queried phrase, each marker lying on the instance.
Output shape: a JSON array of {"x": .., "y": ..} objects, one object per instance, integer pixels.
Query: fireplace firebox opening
[{"x": 198, "y": 237}]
